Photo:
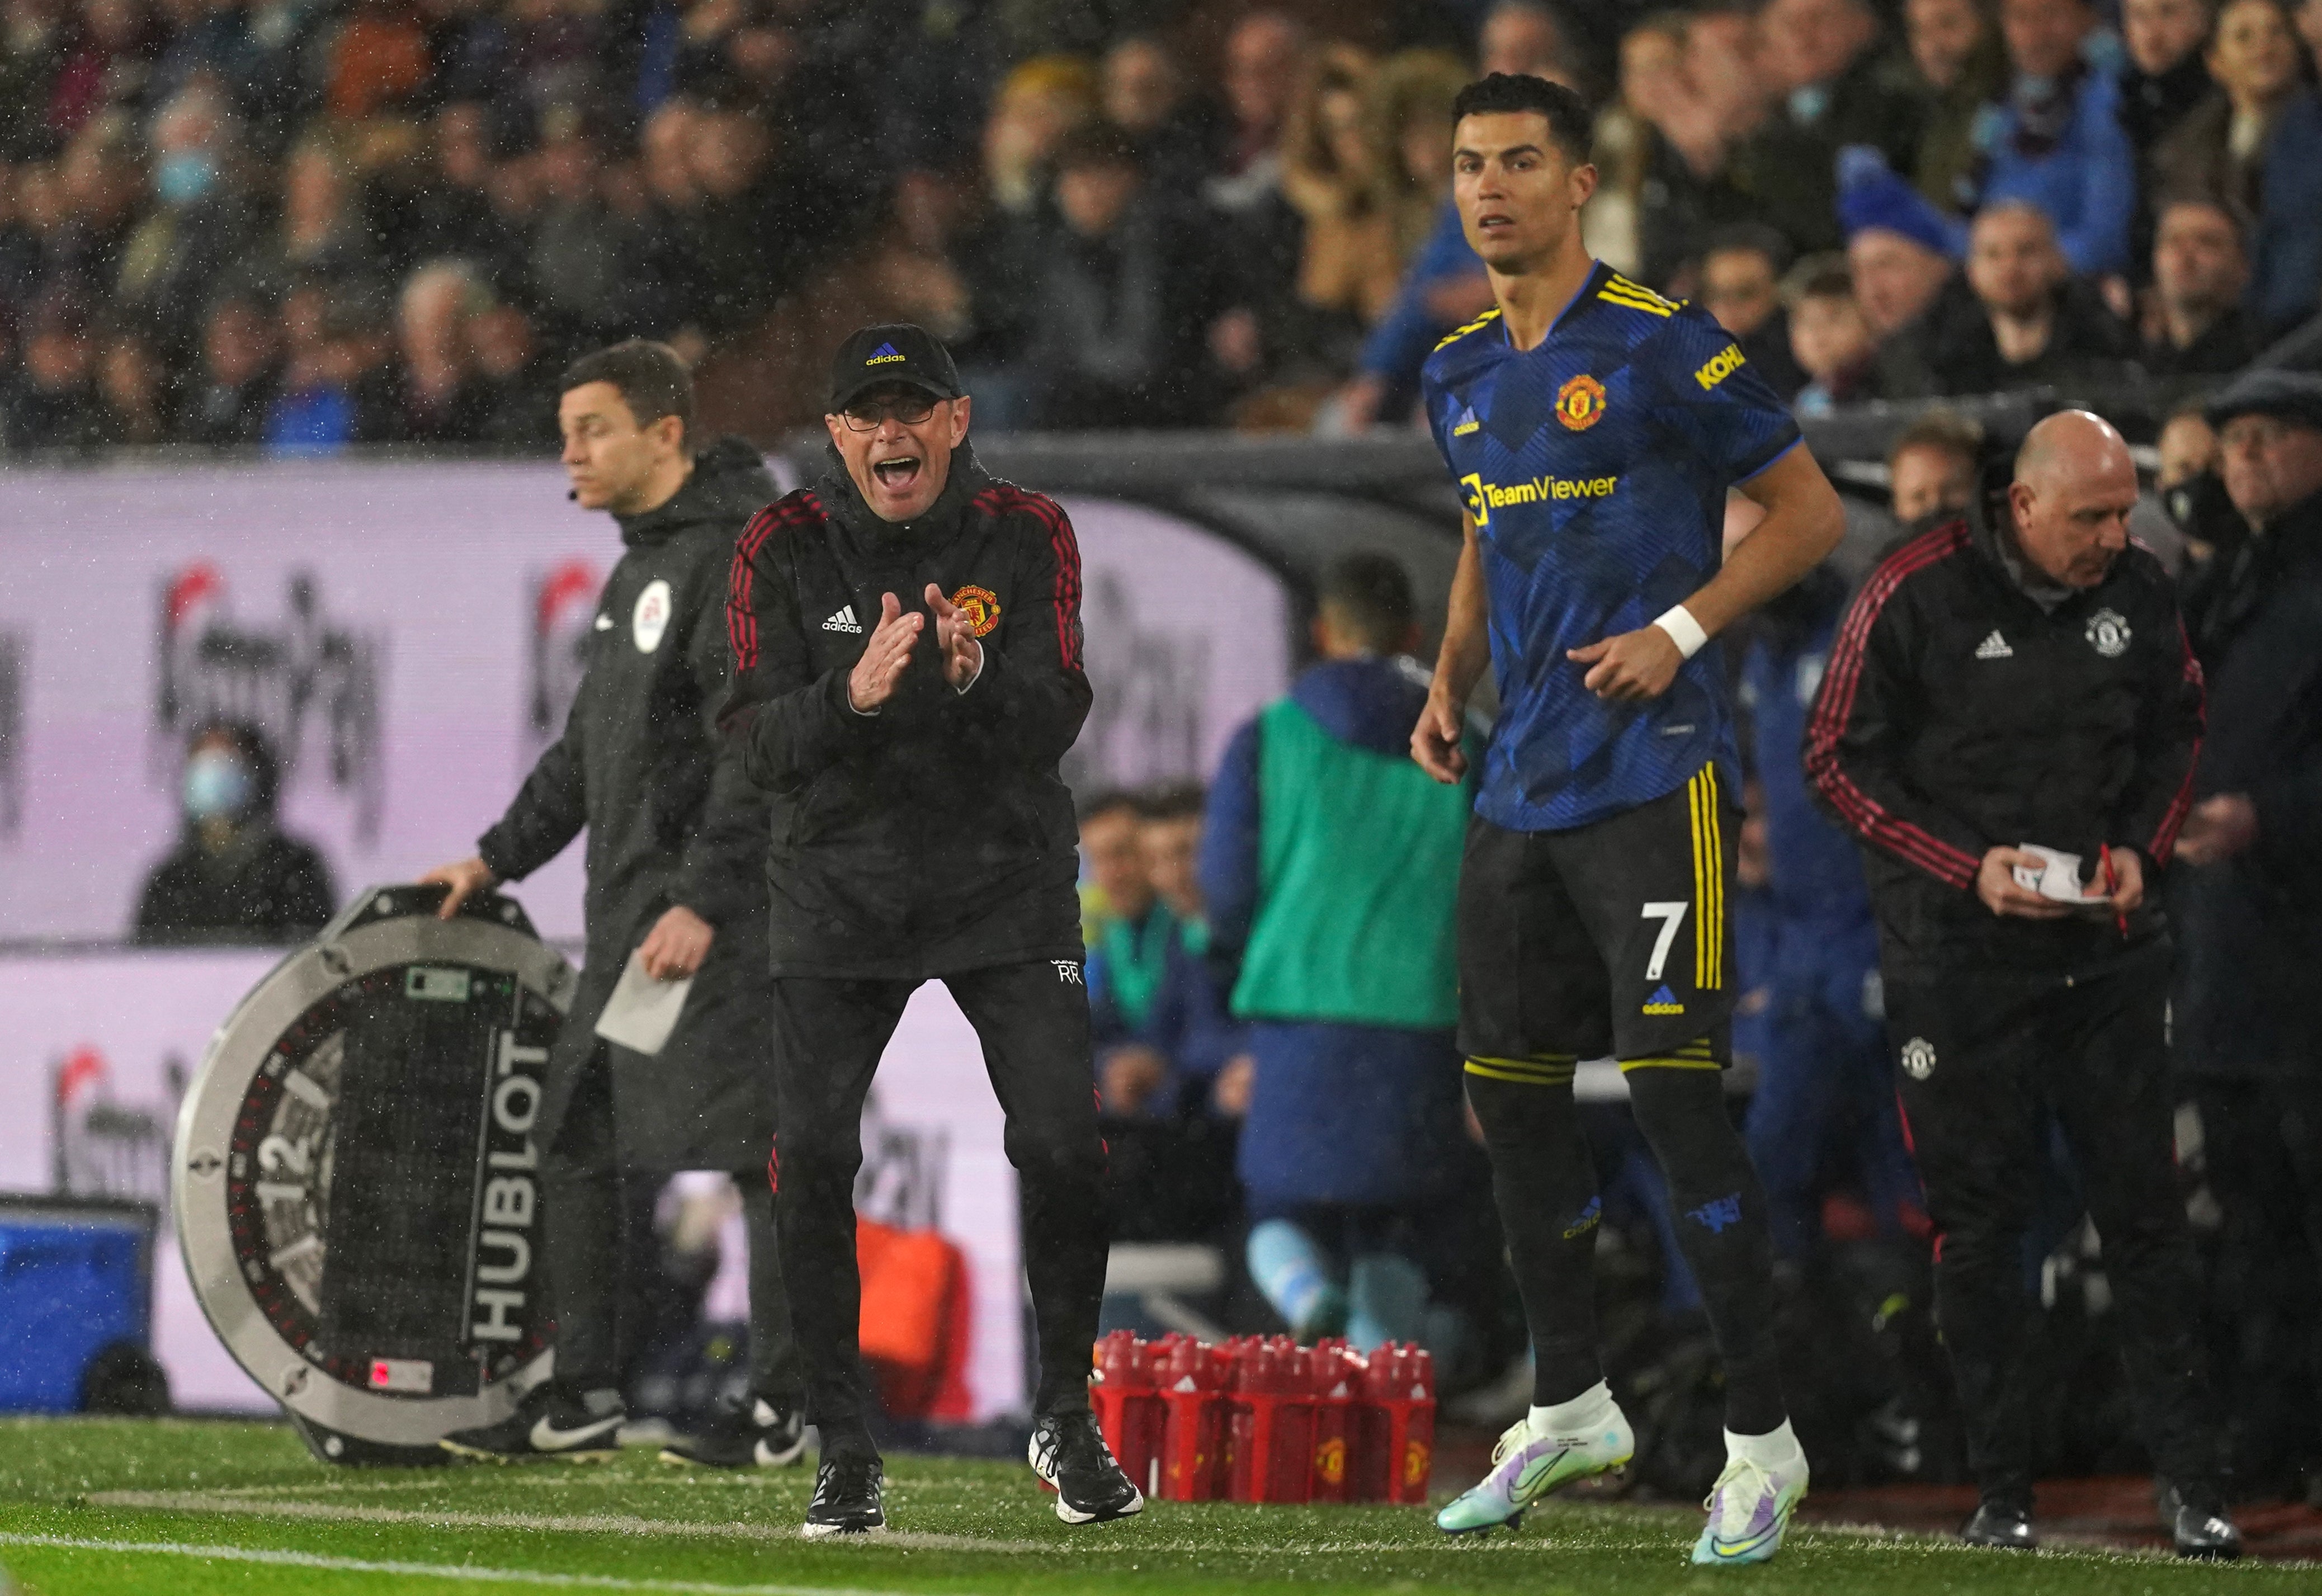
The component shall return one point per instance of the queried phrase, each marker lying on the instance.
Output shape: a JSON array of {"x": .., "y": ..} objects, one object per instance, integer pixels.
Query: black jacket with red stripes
[
  {"x": 935, "y": 836},
  {"x": 1959, "y": 713}
]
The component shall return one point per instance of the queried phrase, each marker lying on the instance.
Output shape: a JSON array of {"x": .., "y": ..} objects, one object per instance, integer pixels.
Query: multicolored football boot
[
  {"x": 1749, "y": 1509},
  {"x": 1527, "y": 1465}
]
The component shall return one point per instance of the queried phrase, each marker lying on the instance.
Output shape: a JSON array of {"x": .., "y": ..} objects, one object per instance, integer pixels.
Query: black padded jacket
[{"x": 934, "y": 835}]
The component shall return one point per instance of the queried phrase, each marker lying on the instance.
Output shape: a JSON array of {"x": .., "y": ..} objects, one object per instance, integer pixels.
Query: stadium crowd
[{"x": 305, "y": 224}]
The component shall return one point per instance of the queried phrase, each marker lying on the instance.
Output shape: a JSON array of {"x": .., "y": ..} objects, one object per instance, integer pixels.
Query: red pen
[{"x": 2104, "y": 857}]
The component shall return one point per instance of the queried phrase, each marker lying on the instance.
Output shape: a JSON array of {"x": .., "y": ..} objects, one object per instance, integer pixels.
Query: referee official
[
  {"x": 907, "y": 651},
  {"x": 2018, "y": 678}
]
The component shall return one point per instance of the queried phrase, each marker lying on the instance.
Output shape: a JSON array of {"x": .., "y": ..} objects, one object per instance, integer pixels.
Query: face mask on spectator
[
  {"x": 185, "y": 176},
  {"x": 218, "y": 786}
]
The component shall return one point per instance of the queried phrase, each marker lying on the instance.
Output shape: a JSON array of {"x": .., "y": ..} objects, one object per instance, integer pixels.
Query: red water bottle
[
  {"x": 1128, "y": 1408},
  {"x": 1337, "y": 1372},
  {"x": 1191, "y": 1378},
  {"x": 1395, "y": 1419},
  {"x": 1271, "y": 1431}
]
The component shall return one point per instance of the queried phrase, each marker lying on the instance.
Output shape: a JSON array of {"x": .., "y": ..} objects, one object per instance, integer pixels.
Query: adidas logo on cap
[
  {"x": 881, "y": 356},
  {"x": 844, "y": 620}
]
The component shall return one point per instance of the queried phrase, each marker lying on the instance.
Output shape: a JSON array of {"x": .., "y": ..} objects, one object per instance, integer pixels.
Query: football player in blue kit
[{"x": 1593, "y": 428}]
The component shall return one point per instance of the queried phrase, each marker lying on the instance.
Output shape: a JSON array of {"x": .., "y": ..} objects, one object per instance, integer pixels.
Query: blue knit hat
[{"x": 1871, "y": 196}]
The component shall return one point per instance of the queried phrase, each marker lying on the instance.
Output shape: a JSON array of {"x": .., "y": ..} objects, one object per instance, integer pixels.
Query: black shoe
[
  {"x": 847, "y": 1497},
  {"x": 746, "y": 1434},
  {"x": 549, "y": 1422},
  {"x": 1068, "y": 1452},
  {"x": 2198, "y": 1526},
  {"x": 2001, "y": 1523}
]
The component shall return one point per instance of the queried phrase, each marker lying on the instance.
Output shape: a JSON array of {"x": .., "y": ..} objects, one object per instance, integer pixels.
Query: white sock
[
  {"x": 1777, "y": 1448},
  {"x": 1583, "y": 1412}
]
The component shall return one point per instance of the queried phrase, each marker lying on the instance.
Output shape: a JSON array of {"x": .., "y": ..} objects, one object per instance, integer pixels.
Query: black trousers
[
  {"x": 1033, "y": 1020},
  {"x": 587, "y": 1252},
  {"x": 2261, "y": 1145},
  {"x": 1984, "y": 1062}
]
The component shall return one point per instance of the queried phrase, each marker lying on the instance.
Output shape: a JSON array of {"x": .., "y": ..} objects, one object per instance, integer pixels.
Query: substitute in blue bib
[{"x": 1594, "y": 465}]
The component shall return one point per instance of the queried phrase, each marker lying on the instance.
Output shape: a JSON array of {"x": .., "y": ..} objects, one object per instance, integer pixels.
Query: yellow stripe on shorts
[{"x": 1708, "y": 883}]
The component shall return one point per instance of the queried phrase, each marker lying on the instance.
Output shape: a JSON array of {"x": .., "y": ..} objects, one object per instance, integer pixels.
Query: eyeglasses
[{"x": 865, "y": 416}]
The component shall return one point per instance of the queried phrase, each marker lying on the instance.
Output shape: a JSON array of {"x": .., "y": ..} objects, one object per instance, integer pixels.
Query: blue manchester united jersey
[{"x": 1595, "y": 466}]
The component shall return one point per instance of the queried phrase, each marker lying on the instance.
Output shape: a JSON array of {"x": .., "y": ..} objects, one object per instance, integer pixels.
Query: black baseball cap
[
  {"x": 2288, "y": 396},
  {"x": 892, "y": 351}
]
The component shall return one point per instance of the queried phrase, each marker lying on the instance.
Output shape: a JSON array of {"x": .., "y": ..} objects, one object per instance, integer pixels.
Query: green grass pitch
[{"x": 119, "y": 1507}]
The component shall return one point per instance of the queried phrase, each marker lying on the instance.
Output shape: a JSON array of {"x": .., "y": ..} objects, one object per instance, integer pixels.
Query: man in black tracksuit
[
  {"x": 2019, "y": 676},
  {"x": 676, "y": 845},
  {"x": 907, "y": 653}
]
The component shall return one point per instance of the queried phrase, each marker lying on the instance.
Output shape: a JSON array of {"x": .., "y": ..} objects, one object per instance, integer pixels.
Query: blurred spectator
[
  {"x": 1899, "y": 250},
  {"x": 1930, "y": 468},
  {"x": 1740, "y": 286},
  {"x": 55, "y": 406},
  {"x": 1661, "y": 154},
  {"x": 321, "y": 234},
  {"x": 1038, "y": 105},
  {"x": 2025, "y": 321},
  {"x": 1186, "y": 1047},
  {"x": 1411, "y": 97},
  {"x": 2248, "y": 899},
  {"x": 578, "y": 267},
  {"x": 230, "y": 397},
  {"x": 1829, "y": 337},
  {"x": 1839, "y": 86},
  {"x": 234, "y": 875},
  {"x": 1332, "y": 177},
  {"x": 332, "y": 392},
  {"x": 202, "y": 220},
  {"x": 377, "y": 58},
  {"x": 2187, "y": 447},
  {"x": 1116, "y": 891},
  {"x": 1444, "y": 285},
  {"x": 1145, "y": 96},
  {"x": 1130, "y": 317},
  {"x": 2165, "y": 79},
  {"x": 1331, "y": 865},
  {"x": 2197, "y": 327},
  {"x": 441, "y": 399},
  {"x": 515, "y": 401},
  {"x": 2221, "y": 148},
  {"x": 1265, "y": 59},
  {"x": 131, "y": 401},
  {"x": 1962, "y": 65},
  {"x": 2286, "y": 285},
  {"x": 2057, "y": 143}
]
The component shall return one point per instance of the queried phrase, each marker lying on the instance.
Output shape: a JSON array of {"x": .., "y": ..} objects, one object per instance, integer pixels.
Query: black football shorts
[{"x": 1609, "y": 939}]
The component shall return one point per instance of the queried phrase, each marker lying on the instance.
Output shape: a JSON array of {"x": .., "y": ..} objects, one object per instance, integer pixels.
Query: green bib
[{"x": 1359, "y": 876}]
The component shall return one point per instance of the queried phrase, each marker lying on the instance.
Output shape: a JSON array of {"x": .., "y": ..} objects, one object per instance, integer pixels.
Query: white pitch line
[
  {"x": 438, "y": 1570},
  {"x": 196, "y": 1501}
]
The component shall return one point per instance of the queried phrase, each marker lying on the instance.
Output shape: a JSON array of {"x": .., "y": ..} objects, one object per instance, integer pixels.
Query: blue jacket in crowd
[
  {"x": 2285, "y": 261},
  {"x": 1407, "y": 335},
  {"x": 2087, "y": 184}
]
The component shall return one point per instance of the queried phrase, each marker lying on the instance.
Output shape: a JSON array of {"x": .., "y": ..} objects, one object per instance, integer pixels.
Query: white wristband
[{"x": 1682, "y": 630}]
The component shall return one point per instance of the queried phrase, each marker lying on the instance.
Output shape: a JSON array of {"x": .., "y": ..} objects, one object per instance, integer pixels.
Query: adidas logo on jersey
[
  {"x": 844, "y": 620},
  {"x": 1663, "y": 1001},
  {"x": 1466, "y": 423},
  {"x": 1994, "y": 647}
]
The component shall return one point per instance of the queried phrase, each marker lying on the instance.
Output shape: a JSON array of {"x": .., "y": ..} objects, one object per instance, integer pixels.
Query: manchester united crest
[
  {"x": 1580, "y": 403},
  {"x": 982, "y": 607}
]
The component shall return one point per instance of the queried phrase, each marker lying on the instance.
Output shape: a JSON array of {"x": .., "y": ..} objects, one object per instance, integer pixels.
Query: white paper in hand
[
  {"x": 2058, "y": 877},
  {"x": 642, "y": 1011}
]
